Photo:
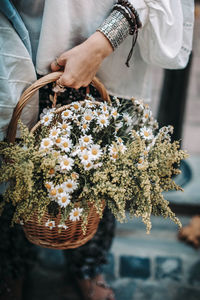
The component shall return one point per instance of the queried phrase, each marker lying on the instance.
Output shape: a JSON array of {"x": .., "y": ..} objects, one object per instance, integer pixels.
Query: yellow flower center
[
  {"x": 88, "y": 165},
  {"x": 66, "y": 163},
  {"x": 46, "y": 119},
  {"x": 114, "y": 149},
  {"x": 69, "y": 185},
  {"x": 51, "y": 171},
  {"x": 146, "y": 116},
  {"x": 86, "y": 139},
  {"x": 50, "y": 224},
  {"x": 82, "y": 148},
  {"x": 103, "y": 121},
  {"x": 115, "y": 113},
  {"x": 66, "y": 113},
  {"x": 76, "y": 213},
  {"x": 76, "y": 106},
  {"x": 114, "y": 155},
  {"x": 60, "y": 190},
  {"x": 46, "y": 143},
  {"x": 54, "y": 133},
  {"x": 58, "y": 140},
  {"x": 53, "y": 192},
  {"x": 140, "y": 161},
  {"x": 94, "y": 151},
  {"x": 88, "y": 118},
  {"x": 48, "y": 186},
  {"x": 64, "y": 199},
  {"x": 85, "y": 157},
  {"x": 146, "y": 133},
  {"x": 74, "y": 175},
  {"x": 84, "y": 126},
  {"x": 65, "y": 144},
  {"x": 64, "y": 126}
]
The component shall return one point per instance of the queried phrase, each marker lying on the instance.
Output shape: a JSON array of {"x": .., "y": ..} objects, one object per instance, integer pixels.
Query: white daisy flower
[
  {"x": 46, "y": 119},
  {"x": 58, "y": 141},
  {"x": 85, "y": 157},
  {"x": 46, "y": 144},
  {"x": 66, "y": 114},
  {"x": 114, "y": 156},
  {"x": 21, "y": 222},
  {"x": 113, "y": 149},
  {"x": 118, "y": 126},
  {"x": 46, "y": 111},
  {"x": 75, "y": 106},
  {"x": 70, "y": 185},
  {"x": 102, "y": 120},
  {"x": 96, "y": 166},
  {"x": 88, "y": 116},
  {"x": 63, "y": 199},
  {"x": 117, "y": 101},
  {"x": 122, "y": 148},
  {"x": 104, "y": 108},
  {"x": 88, "y": 166},
  {"x": 50, "y": 224},
  {"x": 141, "y": 164},
  {"x": 86, "y": 140},
  {"x": 95, "y": 151},
  {"x": 146, "y": 133},
  {"x": 63, "y": 226},
  {"x": 127, "y": 119},
  {"x": 66, "y": 127},
  {"x": 65, "y": 144},
  {"x": 51, "y": 172},
  {"x": 74, "y": 175},
  {"x": 54, "y": 132},
  {"x": 84, "y": 127},
  {"x": 66, "y": 163},
  {"x": 114, "y": 113},
  {"x": 75, "y": 214},
  {"x": 49, "y": 185},
  {"x": 119, "y": 140},
  {"x": 60, "y": 189},
  {"x": 53, "y": 193},
  {"x": 146, "y": 115},
  {"x": 90, "y": 102}
]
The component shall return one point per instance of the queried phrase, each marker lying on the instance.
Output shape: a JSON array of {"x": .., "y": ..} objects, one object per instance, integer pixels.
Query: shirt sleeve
[{"x": 165, "y": 39}]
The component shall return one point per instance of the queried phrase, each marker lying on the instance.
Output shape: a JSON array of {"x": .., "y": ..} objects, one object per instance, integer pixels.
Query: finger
[{"x": 58, "y": 64}]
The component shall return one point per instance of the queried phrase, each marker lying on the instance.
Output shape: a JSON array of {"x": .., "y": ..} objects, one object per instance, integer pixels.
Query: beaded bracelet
[{"x": 122, "y": 21}]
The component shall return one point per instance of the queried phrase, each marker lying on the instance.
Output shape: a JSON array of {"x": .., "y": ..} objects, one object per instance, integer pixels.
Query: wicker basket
[{"x": 36, "y": 232}]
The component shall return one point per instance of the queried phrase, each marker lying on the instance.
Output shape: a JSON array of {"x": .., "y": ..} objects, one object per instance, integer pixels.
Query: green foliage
[{"x": 137, "y": 176}]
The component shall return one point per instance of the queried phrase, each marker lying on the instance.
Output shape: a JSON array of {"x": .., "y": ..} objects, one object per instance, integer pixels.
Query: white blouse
[{"x": 165, "y": 40}]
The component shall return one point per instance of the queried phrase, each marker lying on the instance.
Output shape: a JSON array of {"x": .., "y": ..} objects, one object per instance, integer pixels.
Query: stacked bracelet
[{"x": 122, "y": 21}]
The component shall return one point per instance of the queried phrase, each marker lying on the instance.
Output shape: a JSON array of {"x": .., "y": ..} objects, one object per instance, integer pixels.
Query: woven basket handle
[{"x": 28, "y": 93}]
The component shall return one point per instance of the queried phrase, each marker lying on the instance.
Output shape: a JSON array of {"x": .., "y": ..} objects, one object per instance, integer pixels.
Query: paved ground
[{"x": 141, "y": 267}]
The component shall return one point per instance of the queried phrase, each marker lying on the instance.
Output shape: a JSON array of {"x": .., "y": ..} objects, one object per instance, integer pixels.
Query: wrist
[{"x": 100, "y": 44}]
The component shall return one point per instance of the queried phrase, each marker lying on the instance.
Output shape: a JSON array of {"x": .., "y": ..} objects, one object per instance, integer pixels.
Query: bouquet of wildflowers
[{"x": 91, "y": 152}]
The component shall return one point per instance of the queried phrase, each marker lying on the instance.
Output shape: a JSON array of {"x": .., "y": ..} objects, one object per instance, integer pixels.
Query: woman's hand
[{"x": 82, "y": 62}]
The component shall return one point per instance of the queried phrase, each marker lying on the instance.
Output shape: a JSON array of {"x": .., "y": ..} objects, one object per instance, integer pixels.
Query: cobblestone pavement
[{"x": 141, "y": 267}]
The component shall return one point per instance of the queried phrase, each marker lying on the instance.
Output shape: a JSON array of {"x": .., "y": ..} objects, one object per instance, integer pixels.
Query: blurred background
[{"x": 141, "y": 267}]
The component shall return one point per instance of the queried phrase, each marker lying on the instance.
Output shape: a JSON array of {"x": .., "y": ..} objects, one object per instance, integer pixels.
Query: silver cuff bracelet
[{"x": 116, "y": 28}]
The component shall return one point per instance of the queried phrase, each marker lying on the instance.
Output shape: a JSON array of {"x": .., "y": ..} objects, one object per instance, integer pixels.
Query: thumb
[{"x": 58, "y": 64}]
